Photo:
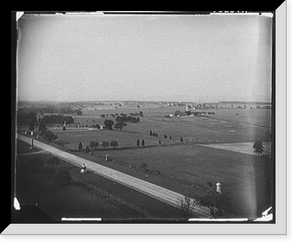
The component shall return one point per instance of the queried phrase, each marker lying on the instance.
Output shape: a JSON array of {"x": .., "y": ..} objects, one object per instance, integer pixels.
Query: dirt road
[{"x": 165, "y": 195}]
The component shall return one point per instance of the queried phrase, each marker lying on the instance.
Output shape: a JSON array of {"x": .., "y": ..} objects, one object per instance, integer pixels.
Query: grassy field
[
  {"x": 185, "y": 167},
  {"x": 260, "y": 117},
  {"x": 191, "y": 129}
]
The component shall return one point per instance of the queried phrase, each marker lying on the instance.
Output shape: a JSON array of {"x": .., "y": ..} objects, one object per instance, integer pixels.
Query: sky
[{"x": 144, "y": 57}]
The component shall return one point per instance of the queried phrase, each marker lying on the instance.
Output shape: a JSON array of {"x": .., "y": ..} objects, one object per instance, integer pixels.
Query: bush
[
  {"x": 80, "y": 146},
  {"x": 94, "y": 144},
  {"x": 114, "y": 143},
  {"x": 109, "y": 124},
  {"x": 49, "y": 136},
  {"x": 87, "y": 149},
  {"x": 105, "y": 144}
]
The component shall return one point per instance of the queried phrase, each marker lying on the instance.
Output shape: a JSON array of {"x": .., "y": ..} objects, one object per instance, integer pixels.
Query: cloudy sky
[{"x": 144, "y": 57}]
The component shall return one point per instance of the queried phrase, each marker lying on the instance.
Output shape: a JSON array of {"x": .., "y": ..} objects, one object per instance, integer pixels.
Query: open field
[
  {"x": 260, "y": 117},
  {"x": 191, "y": 129},
  {"x": 186, "y": 167},
  {"x": 242, "y": 147}
]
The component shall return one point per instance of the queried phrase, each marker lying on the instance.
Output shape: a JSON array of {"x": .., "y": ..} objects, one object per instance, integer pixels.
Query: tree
[
  {"x": 114, "y": 144},
  {"x": 186, "y": 203},
  {"x": 258, "y": 147},
  {"x": 94, "y": 144},
  {"x": 150, "y": 132},
  {"x": 181, "y": 139},
  {"x": 102, "y": 115},
  {"x": 87, "y": 149},
  {"x": 105, "y": 144},
  {"x": 177, "y": 113},
  {"x": 216, "y": 202},
  {"x": 119, "y": 125},
  {"x": 67, "y": 119},
  {"x": 109, "y": 124},
  {"x": 138, "y": 142},
  {"x": 42, "y": 127},
  {"x": 31, "y": 125},
  {"x": 80, "y": 147},
  {"x": 188, "y": 113},
  {"x": 49, "y": 136},
  {"x": 143, "y": 142}
]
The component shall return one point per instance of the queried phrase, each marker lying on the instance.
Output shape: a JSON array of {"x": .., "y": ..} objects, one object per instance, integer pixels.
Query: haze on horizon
[{"x": 144, "y": 57}]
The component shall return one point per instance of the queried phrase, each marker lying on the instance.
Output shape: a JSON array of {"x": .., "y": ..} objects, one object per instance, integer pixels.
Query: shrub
[
  {"x": 49, "y": 136},
  {"x": 105, "y": 144},
  {"x": 114, "y": 144},
  {"x": 94, "y": 144}
]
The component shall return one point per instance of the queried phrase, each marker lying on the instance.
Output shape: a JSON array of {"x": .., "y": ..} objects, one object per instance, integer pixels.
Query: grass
[
  {"x": 192, "y": 129},
  {"x": 186, "y": 167},
  {"x": 245, "y": 179}
]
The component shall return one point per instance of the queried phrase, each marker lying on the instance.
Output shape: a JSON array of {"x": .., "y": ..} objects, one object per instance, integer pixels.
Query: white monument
[{"x": 218, "y": 189}]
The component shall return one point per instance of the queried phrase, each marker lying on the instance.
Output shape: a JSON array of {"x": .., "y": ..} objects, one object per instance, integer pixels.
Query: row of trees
[
  {"x": 143, "y": 143},
  {"x": 141, "y": 114},
  {"x": 26, "y": 118},
  {"x": 57, "y": 119},
  {"x": 131, "y": 119},
  {"x": 30, "y": 119},
  {"x": 93, "y": 144},
  {"x": 121, "y": 121},
  {"x": 165, "y": 136}
]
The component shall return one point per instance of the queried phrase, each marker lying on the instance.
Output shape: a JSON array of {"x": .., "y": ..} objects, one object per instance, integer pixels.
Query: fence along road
[{"x": 165, "y": 195}]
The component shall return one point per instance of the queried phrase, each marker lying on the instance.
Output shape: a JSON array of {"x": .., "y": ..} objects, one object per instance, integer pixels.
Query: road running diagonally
[{"x": 165, "y": 195}]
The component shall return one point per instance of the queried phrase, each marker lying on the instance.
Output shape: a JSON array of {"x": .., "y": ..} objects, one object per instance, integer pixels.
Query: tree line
[
  {"x": 93, "y": 144},
  {"x": 30, "y": 118}
]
